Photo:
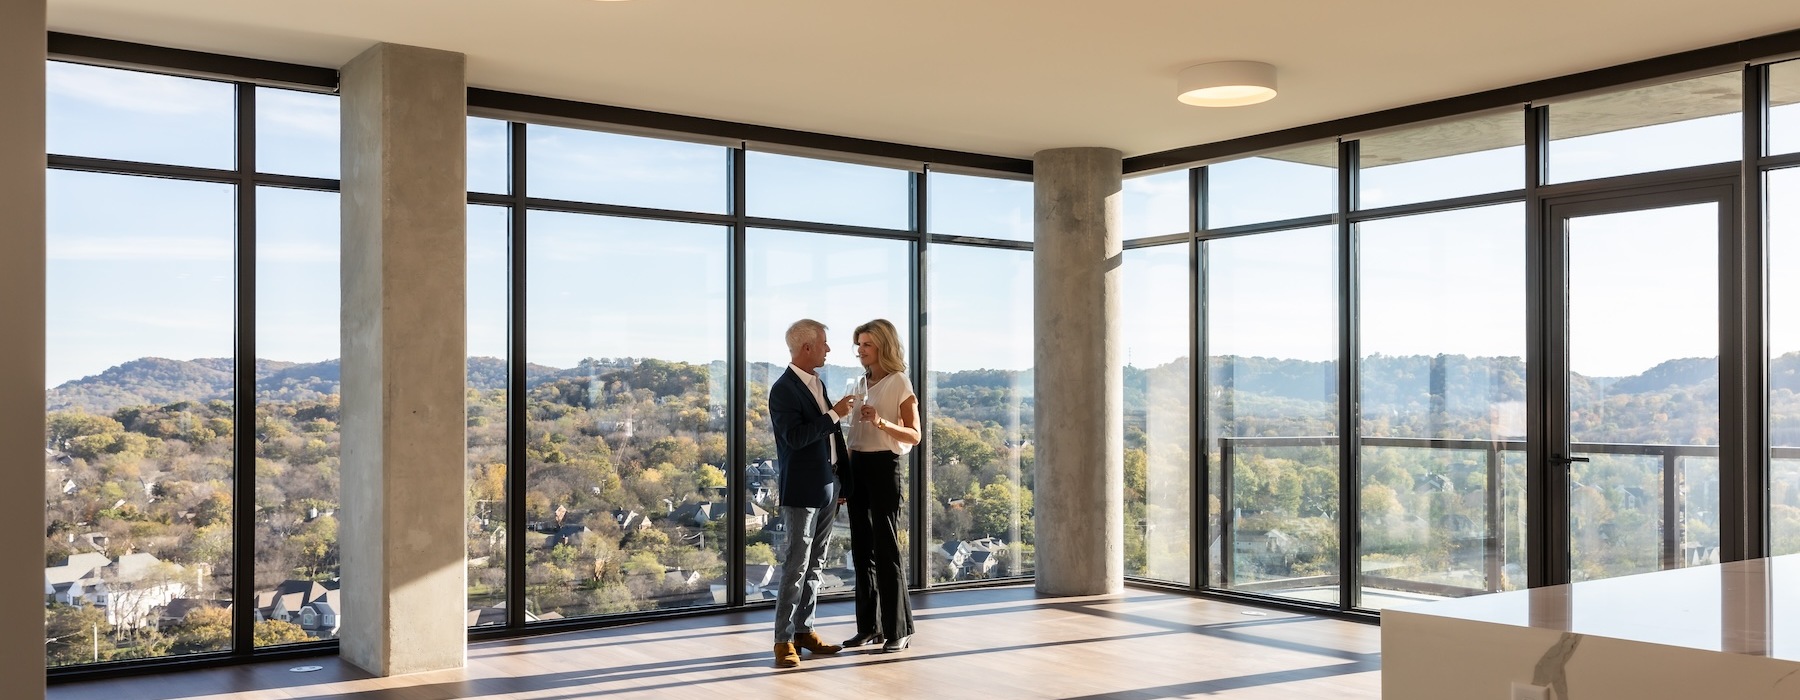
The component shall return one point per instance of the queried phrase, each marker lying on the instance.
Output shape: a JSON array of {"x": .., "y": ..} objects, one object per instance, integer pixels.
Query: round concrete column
[{"x": 1080, "y": 475}]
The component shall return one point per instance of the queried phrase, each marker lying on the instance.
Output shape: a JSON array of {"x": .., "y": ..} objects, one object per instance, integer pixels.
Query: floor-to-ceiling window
[
  {"x": 1154, "y": 292},
  {"x": 651, "y": 283},
  {"x": 1441, "y": 333},
  {"x": 1271, "y": 330},
  {"x": 191, "y": 487},
  {"x": 978, "y": 406},
  {"x": 1781, "y": 197},
  {"x": 1528, "y": 310},
  {"x": 626, "y": 332},
  {"x": 1155, "y": 305},
  {"x": 842, "y": 280}
]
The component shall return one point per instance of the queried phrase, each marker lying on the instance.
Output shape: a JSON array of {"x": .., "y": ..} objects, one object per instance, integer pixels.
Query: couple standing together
[{"x": 818, "y": 470}]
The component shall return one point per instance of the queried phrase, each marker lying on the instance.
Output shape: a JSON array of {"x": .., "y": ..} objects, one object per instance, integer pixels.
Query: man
[{"x": 809, "y": 449}]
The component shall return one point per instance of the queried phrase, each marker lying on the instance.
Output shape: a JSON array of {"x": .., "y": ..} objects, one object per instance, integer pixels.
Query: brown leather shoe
[
  {"x": 786, "y": 656},
  {"x": 810, "y": 641}
]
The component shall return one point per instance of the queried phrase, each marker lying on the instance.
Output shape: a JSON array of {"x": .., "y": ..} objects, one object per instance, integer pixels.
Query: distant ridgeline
[
  {"x": 154, "y": 381},
  {"x": 1457, "y": 396},
  {"x": 1254, "y": 392}
]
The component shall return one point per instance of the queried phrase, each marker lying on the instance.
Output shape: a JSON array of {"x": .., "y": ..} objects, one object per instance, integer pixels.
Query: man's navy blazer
[{"x": 803, "y": 446}]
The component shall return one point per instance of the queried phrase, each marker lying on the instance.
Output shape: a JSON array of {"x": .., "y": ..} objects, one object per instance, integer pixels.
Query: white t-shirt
[{"x": 886, "y": 396}]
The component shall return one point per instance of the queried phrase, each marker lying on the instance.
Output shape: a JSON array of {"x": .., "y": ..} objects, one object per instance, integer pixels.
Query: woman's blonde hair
[{"x": 888, "y": 353}]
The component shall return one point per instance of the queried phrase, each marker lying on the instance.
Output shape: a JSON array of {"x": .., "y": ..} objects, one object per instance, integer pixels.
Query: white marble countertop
[{"x": 1748, "y": 607}]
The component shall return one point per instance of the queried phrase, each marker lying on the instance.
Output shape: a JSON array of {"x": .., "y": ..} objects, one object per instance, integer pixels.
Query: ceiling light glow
[{"x": 1226, "y": 84}]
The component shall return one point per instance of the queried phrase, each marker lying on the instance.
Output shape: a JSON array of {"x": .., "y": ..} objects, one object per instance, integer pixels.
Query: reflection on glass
[
  {"x": 1643, "y": 387},
  {"x": 808, "y": 189},
  {"x": 139, "y": 417},
  {"x": 490, "y": 156},
  {"x": 841, "y": 282},
  {"x": 296, "y": 133},
  {"x": 1155, "y": 204},
  {"x": 1443, "y": 403},
  {"x": 297, "y": 416},
  {"x": 1782, "y": 193},
  {"x": 1659, "y": 127},
  {"x": 980, "y": 417},
  {"x": 990, "y": 207},
  {"x": 1273, "y": 413},
  {"x": 128, "y": 115},
  {"x": 1442, "y": 160},
  {"x": 1158, "y": 437},
  {"x": 489, "y": 290},
  {"x": 625, "y": 442},
  {"x": 595, "y": 166},
  {"x": 1276, "y": 186},
  {"x": 1784, "y": 107}
]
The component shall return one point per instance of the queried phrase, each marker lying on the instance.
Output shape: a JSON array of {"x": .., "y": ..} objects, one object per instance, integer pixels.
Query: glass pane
[
  {"x": 980, "y": 420},
  {"x": 489, "y": 286},
  {"x": 130, "y": 115},
  {"x": 841, "y": 282},
  {"x": 138, "y": 475},
  {"x": 626, "y": 452},
  {"x": 1784, "y": 107},
  {"x": 1273, "y": 187},
  {"x": 1273, "y": 411},
  {"x": 990, "y": 207},
  {"x": 807, "y": 189},
  {"x": 594, "y": 166},
  {"x": 297, "y": 323},
  {"x": 1443, "y": 160},
  {"x": 1783, "y": 196},
  {"x": 1156, "y": 329},
  {"x": 1443, "y": 403},
  {"x": 1673, "y": 125},
  {"x": 490, "y": 156},
  {"x": 1155, "y": 204},
  {"x": 1643, "y": 387},
  {"x": 296, "y": 133}
]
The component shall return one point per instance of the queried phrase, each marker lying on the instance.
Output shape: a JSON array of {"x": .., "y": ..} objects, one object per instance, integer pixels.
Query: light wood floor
[{"x": 984, "y": 643}]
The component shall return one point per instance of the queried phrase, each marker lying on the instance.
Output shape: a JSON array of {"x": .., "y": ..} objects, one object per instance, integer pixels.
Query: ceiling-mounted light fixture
[{"x": 1226, "y": 84}]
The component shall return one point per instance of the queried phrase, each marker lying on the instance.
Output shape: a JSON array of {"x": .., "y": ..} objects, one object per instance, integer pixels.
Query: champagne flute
[{"x": 858, "y": 391}]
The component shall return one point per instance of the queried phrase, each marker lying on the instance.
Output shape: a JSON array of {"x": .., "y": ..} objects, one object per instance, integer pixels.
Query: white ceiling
[{"x": 1002, "y": 77}]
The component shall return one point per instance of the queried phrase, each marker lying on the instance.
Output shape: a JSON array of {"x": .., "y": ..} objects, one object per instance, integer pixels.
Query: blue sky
[
  {"x": 601, "y": 286},
  {"x": 142, "y": 267}
]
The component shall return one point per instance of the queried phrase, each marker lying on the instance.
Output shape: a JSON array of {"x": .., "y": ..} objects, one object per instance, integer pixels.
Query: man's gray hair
[{"x": 802, "y": 332}]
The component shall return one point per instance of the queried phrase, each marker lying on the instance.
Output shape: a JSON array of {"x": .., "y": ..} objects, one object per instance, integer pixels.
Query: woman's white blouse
[{"x": 886, "y": 396}]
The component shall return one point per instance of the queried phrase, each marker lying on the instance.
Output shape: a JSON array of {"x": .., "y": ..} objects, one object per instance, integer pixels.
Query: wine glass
[{"x": 858, "y": 391}]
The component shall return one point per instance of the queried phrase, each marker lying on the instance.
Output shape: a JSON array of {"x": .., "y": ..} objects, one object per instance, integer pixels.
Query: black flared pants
[{"x": 874, "y": 505}]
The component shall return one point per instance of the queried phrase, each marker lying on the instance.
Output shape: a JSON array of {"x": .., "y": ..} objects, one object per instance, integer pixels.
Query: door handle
[{"x": 1566, "y": 460}]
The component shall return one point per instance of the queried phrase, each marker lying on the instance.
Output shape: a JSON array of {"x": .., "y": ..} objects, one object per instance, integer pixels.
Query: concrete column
[
  {"x": 22, "y": 315},
  {"x": 1080, "y": 475},
  {"x": 404, "y": 111}
]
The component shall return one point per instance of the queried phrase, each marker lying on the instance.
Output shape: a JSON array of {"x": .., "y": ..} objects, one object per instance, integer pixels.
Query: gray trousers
[{"x": 797, "y": 602}]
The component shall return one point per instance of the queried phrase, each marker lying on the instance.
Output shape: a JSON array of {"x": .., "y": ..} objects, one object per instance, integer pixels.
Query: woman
[{"x": 886, "y": 427}]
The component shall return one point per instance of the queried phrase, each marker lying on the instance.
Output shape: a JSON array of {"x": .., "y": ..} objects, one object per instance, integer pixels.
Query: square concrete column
[
  {"x": 404, "y": 201},
  {"x": 22, "y": 317},
  {"x": 1080, "y": 383}
]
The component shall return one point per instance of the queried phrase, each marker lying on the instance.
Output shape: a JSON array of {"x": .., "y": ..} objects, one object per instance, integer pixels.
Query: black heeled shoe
[
  {"x": 863, "y": 638},
  {"x": 897, "y": 644}
]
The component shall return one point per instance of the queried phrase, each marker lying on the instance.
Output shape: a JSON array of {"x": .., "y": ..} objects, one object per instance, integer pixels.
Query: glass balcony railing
[{"x": 1444, "y": 518}]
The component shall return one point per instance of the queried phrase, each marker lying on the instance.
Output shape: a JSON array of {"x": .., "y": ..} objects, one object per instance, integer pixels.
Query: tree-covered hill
[{"x": 155, "y": 381}]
